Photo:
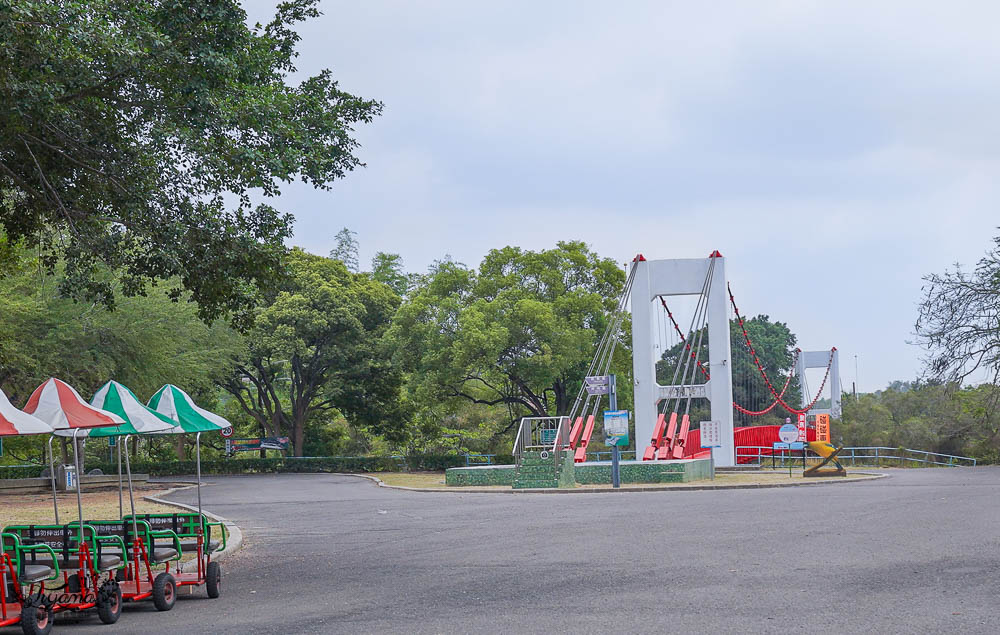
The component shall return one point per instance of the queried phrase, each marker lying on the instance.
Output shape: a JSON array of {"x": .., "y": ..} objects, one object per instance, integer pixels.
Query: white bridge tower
[{"x": 654, "y": 278}]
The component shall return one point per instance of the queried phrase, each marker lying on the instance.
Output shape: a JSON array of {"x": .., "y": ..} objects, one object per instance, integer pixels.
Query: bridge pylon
[{"x": 655, "y": 278}]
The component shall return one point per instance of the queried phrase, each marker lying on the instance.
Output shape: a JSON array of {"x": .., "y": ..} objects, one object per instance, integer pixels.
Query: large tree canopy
[
  {"x": 133, "y": 133},
  {"x": 314, "y": 349},
  {"x": 519, "y": 331},
  {"x": 959, "y": 322}
]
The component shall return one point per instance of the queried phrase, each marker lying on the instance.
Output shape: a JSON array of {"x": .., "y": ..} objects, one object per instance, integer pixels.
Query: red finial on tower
[
  {"x": 639, "y": 258},
  {"x": 715, "y": 254}
]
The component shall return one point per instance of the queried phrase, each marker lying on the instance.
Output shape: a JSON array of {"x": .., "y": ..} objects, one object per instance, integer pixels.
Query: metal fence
[
  {"x": 879, "y": 456},
  {"x": 479, "y": 459},
  {"x": 626, "y": 455}
]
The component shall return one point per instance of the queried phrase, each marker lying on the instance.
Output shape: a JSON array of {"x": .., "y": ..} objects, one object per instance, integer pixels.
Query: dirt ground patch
[{"x": 24, "y": 509}]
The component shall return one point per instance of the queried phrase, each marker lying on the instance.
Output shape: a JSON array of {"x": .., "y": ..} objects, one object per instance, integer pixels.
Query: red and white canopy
[
  {"x": 13, "y": 422},
  {"x": 58, "y": 404}
]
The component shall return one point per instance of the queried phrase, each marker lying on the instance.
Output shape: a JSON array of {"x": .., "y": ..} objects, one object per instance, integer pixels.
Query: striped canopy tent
[
  {"x": 139, "y": 418},
  {"x": 58, "y": 404},
  {"x": 14, "y": 422},
  {"x": 179, "y": 407}
]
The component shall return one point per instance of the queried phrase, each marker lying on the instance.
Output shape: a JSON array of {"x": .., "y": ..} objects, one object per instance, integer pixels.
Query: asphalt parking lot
[{"x": 916, "y": 552}]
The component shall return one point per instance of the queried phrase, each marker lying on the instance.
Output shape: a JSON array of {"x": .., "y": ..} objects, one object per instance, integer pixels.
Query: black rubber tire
[
  {"x": 36, "y": 616},
  {"x": 109, "y": 602},
  {"x": 164, "y": 592},
  {"x": 213, "y": 579}
]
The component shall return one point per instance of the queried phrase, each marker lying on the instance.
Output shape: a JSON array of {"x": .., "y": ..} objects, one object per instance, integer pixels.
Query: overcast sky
[{"x": 834, "y": 152}]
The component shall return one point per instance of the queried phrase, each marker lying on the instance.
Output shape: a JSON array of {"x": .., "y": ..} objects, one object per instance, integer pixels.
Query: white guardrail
[{"x": 861, "y": 455}]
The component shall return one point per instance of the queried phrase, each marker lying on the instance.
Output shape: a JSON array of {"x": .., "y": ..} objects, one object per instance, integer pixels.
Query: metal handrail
[
  {"x": 880, "y": 454},
  {"x": 529, "y": 435}
]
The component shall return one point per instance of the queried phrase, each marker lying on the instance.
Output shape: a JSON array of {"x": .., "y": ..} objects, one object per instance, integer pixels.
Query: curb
[
  {"x": 868, "y": 476},
  {"x": 233, "y": 543}
]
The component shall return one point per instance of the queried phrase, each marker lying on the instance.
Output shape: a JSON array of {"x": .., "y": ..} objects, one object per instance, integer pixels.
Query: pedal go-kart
[{"x": 20, "y": 601}]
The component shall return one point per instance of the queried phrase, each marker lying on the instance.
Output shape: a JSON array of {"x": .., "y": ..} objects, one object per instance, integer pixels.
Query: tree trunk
[
  {"x": 180, "y": 447},
  {"x": 64, "y": 445},
  {"x": 298, "y": 437}
]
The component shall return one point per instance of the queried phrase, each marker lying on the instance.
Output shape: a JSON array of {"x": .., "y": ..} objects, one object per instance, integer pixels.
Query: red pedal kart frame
[
  {"x": 137, "y": 579},
  {"x": 27, "y": 609},
  {"x": 90, "y": 591},
  {"x": 207, "y": 573}
]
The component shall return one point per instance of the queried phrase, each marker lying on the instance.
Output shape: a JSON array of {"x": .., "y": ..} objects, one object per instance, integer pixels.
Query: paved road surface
[{"x": 914, "y": 553}]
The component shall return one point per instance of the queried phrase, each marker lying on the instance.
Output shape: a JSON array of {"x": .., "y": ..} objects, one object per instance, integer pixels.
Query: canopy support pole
[
  {"x": 131, "y": 497},
  {"x": 79, "y": 496},
  {"x": 197, "y": 451},
  {"x": 52, "y": 476},
  {"x": 121, "y": 511}
]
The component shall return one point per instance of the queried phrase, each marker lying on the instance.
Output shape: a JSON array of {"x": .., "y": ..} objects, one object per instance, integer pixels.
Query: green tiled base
[
  {"x": 682, "y": 471},
  {"x": 479, "y": 476}
]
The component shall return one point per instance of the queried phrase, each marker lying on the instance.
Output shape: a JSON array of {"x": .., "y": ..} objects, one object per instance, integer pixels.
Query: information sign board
[
  {"x": 711, "y": 434},
  {"x": 616, "y": 427},
  {"x": 788, "y": 433},
  {"x": 250, "y": 445},
  {"x": 802, "y": 427}
]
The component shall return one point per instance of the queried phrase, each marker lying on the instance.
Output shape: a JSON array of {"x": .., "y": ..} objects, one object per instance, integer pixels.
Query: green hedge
[
  {"x": 20, "y": 471},
  {"x": 420, "y": 462}
]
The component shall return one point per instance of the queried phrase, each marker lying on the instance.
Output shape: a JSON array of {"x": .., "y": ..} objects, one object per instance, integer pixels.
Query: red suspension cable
[
  {"x": 788, "y": 381},
  {"x": 777, "y": 397}
]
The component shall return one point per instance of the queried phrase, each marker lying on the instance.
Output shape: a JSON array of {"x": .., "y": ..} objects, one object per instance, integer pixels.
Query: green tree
[
  {"x": 518, "y": 332},
  {"x": 388, "y": 269},
  {"x": 959, "y": 321},
  {"x": 148, "y": 341},
  {"x": 346, "y": 249},
  {"x": 314, "y": 351},
  {"x": 135, "y": 132}
]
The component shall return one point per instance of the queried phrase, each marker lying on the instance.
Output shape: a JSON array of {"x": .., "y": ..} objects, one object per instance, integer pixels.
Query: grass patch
[{"x": 413, "y": 479}]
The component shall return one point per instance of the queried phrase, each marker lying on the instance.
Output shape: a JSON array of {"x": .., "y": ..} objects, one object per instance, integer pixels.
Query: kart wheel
[
  {"x": 36, "y": 616},
  {"x": 109, "y": 602},
  {"x": 213, "y": 579},
  {"x": 164, "y": 592}
]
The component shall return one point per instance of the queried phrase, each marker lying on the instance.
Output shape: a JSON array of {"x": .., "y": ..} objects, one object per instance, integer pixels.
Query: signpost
[
  {"x": 600, "y": 385},
  {"x": 616, "y": 419},
  {"x": 226, "y": 432}
]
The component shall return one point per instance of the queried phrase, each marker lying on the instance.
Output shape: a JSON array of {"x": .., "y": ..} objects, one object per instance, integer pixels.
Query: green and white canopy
[
  {"x": 178, "y": 406},
  {"x": 139, "y": 419}
]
